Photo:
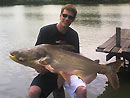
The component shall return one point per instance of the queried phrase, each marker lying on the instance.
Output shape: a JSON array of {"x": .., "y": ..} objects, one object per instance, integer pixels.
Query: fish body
[{"x": 56, "y": 59}]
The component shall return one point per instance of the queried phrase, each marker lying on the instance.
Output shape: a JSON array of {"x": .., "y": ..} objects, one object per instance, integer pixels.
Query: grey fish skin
[
  {"x": 64, "y": 62},
  {"x": 31, "y": 57}
]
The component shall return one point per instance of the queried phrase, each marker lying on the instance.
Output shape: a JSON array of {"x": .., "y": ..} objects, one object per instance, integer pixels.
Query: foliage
[
  {"x": 11, "y": 2},
  {"x": 7, "y": 2}
]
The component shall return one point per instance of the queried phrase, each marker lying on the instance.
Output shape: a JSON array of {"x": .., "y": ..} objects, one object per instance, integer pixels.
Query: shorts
[
  {"x": 47, "y": 83},
  {"x": 75, "y": 82}
]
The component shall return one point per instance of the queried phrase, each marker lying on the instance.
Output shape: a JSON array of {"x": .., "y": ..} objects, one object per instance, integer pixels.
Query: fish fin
[
  {"x": 80, "y": 76},
  {"x": 87, "y": 79},
  {"x": 90, "y": 78},
  {"x": 39, "y": 67},
  {"x": 51, "y": 69},
  {"x": 97, "y": 61},
  {"x": 44, "y": 60},
  {"x": 66, "y": 77},
  {"x": 111, "y": 73},
  {"x": 67, "y": 47}
]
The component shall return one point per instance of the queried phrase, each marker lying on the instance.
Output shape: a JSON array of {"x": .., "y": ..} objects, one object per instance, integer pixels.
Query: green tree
[{"x": 7, "y": 2}]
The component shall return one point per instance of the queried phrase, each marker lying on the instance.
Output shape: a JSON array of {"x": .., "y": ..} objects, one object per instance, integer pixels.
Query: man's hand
[
  {"x": 60, "y": 81},
  {"x": 41, "y": 69},
  {"x": 102, "y": 71}
]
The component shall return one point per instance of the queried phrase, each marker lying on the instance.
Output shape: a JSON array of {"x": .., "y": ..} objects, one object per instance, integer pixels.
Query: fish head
[{"x": 27, "y": 57}]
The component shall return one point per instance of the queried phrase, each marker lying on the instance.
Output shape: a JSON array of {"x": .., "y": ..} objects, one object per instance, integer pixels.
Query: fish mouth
[
  {"x": 12, "y": 56},
  {"x": 20, "y": 59}
]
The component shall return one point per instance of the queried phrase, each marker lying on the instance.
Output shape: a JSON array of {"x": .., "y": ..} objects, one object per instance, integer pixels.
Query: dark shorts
[{"x": 47, "y": 83}]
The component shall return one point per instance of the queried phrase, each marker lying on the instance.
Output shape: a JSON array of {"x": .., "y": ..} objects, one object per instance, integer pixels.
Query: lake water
[{"x": 19, "y": 27}]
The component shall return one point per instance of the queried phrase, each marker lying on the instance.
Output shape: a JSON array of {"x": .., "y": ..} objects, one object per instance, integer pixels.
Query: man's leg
[
  {"x": 59, "y": 93},
  {"x": 34, "y": 92},
  {"x": 43, "y": 85},
  {"x": 77, "y": 88},
  {"x": 81, "y": 92}
]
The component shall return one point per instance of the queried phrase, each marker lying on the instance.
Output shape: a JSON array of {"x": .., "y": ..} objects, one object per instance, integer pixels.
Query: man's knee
[
  {"x": 34, "y": 92},
  {"x": 81, "y": 89},
  {"x": 81, "y": 92}
]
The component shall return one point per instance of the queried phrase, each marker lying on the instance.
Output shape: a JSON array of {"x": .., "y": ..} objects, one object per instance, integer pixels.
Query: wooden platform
[{"x": 118, "y": 45}]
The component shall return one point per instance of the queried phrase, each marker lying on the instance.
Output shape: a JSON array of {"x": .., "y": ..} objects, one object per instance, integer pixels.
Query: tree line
[{"x": 14, "y": 2}]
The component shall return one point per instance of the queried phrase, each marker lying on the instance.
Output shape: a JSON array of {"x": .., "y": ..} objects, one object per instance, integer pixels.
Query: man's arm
[{"x": 42, "y": 37}]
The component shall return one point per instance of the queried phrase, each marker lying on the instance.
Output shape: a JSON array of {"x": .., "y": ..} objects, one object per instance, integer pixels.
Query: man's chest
[{"x": 60, "y": 39}]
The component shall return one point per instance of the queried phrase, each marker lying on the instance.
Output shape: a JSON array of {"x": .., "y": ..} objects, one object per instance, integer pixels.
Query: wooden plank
[
  {"x": 110, "y": 46},
  {"x": 126, "y": 50},
  {"x": 99, "y": 50},
  {"x": 122, "y": 41},
  {"x": 108, "y": 42},
  {"x": 109, "y": 56},
  {"x": 118, "y": 37},
  {"x": 125, "y": 43},
  {"x": 116, "y": 50},
  {"x": 127, "y": 46},
  {"x": 125, "y": 33}
]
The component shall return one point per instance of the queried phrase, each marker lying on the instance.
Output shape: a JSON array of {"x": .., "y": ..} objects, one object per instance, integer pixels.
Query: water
[{"x": 19, "y": 27}]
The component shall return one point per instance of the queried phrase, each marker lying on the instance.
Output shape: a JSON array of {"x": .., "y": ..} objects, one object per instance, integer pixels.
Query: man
[{"x": 60, "y": 33}]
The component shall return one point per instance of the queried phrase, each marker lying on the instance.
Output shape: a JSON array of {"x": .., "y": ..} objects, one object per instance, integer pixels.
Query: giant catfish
[{"x": 58, "y": 59}]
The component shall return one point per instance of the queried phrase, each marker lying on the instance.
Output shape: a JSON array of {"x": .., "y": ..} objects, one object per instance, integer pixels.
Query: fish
[{"x": 61, "y": 60}]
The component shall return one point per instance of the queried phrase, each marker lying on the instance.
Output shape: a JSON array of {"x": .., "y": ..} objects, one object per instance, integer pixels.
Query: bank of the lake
[{"x": 41, "y": 2}]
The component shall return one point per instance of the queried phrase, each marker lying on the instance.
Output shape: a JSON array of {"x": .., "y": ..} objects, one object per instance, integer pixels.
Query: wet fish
[{"x": 56, "y": 59}]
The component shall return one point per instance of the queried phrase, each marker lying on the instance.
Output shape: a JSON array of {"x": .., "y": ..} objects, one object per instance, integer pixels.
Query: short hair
[{"x": 69, "y": 7}]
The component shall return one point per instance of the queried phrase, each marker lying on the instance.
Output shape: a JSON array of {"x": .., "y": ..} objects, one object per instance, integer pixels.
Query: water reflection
[
  {"x": 123, "y": 91},
  {"x": 34, "y": 16},
  {"x": 89, "y": 19},
  {"x": 89, "y": 16},
  {"x": 31, "y": 13}
]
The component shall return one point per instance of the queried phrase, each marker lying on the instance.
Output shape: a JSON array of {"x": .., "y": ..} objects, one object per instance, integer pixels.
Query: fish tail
[{"x": 111, "y": 73}]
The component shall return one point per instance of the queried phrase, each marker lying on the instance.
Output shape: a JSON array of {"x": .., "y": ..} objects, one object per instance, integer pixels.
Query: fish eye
[{"x": 21, "y": 59}]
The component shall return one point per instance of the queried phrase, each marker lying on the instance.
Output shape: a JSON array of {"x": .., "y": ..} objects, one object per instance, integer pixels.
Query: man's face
[{"x": 66, "y": 18}]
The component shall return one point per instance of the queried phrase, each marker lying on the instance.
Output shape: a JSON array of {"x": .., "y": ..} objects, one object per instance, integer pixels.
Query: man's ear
[{"x": 60, "y": 16}]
